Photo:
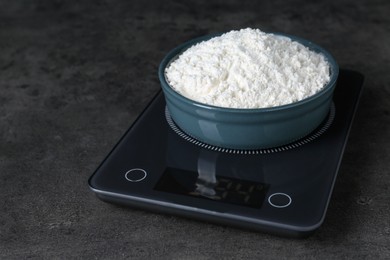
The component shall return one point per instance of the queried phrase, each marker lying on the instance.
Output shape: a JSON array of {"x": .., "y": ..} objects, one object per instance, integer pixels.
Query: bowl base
[{"x": 292, "y": 145}]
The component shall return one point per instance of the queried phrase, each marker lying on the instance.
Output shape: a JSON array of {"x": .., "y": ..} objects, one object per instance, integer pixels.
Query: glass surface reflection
[
  {"x": 209, "y": 175},
  {"x": 207, "y": 180}
]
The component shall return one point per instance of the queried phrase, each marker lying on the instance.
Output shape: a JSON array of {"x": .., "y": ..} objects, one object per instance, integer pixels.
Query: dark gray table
[{"x": 74, "y": 76}]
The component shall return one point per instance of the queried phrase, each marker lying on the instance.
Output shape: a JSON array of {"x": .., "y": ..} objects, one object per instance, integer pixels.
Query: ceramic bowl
[{"x": 248, "y": 128}]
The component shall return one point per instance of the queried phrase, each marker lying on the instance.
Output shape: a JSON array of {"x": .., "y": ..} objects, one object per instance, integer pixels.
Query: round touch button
[
  {"x": 135, "y": 175},
  {"x": 279, "y": 200}
]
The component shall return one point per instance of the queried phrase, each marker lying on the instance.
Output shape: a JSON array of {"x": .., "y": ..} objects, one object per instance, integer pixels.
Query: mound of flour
[{"x": 248, "y": 69}]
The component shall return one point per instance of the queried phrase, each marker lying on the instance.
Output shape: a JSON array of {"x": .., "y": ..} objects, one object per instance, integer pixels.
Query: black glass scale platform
[{"x": 283, "y": 190}]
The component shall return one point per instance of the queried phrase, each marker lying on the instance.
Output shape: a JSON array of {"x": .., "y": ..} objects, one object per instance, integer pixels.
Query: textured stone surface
[{"x": 74, "y": 76}]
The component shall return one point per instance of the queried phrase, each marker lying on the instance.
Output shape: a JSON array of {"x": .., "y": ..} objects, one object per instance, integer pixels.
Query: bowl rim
[{"x": 175, "y": 52}]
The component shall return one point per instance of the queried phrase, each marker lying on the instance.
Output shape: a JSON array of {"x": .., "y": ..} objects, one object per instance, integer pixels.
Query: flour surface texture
[{"x": 248, "y": 69}]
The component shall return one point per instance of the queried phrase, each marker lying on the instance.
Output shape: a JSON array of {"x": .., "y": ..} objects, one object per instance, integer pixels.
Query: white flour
[{"x": 248, "y": 69}]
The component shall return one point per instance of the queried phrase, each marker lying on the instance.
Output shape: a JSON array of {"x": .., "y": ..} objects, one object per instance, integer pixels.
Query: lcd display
[{"x": 218, "y": 188}]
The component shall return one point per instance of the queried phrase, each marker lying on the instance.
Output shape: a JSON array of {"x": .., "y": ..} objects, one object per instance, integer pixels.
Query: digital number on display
[{"x": 218, "y": 188}]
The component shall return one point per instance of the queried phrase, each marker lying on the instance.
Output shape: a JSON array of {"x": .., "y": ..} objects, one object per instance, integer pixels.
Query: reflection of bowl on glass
[{"x": 256, "y": 128}]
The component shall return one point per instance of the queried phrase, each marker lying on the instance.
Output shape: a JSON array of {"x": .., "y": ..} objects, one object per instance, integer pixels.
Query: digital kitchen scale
[{"x": 283, "y": 190}]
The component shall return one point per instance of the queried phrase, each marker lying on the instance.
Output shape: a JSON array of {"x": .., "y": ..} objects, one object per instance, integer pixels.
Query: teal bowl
[{"x": 236, "y": 128}]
